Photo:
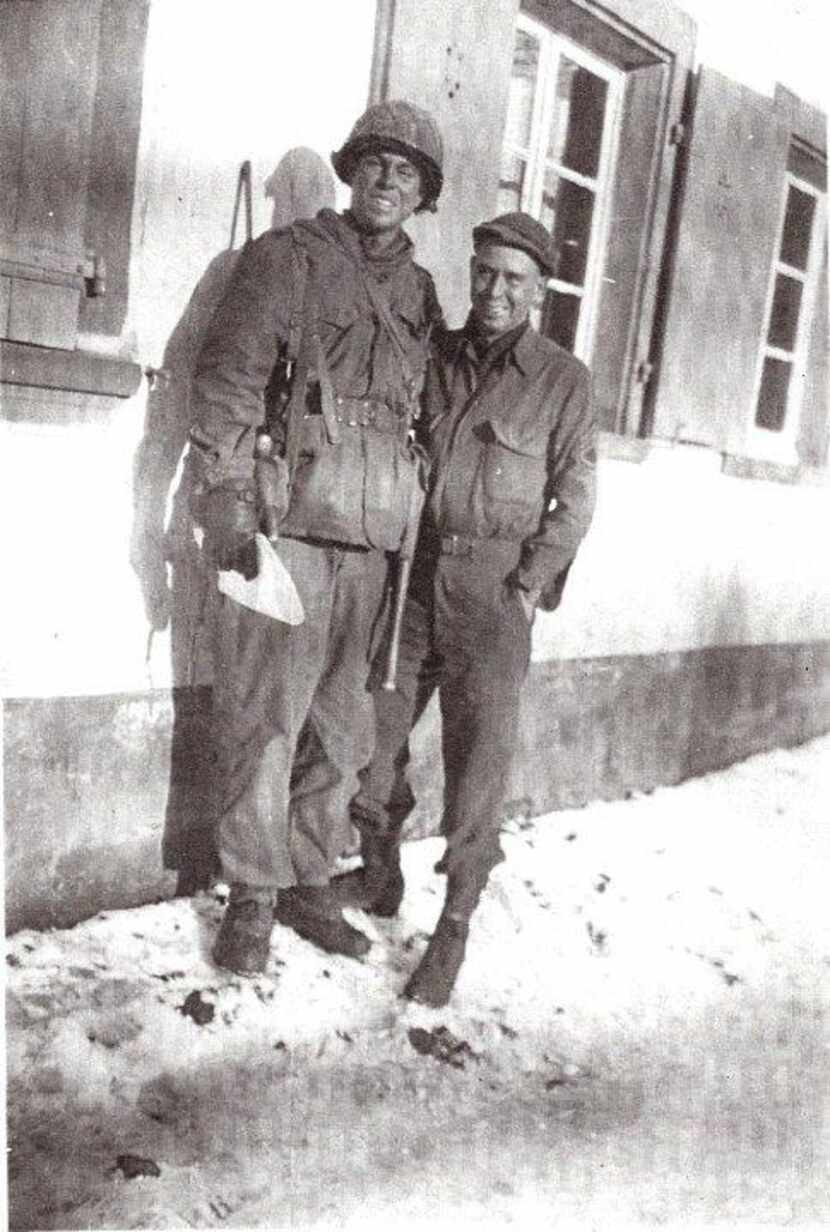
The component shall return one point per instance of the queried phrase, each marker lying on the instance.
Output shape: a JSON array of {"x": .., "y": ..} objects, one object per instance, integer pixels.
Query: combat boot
[
  {"x": 245, "y": 933},
  {"x": 378, "y": 886},
  {"x": 313, "y": 913},
  {"x": 434, "y": 978}
]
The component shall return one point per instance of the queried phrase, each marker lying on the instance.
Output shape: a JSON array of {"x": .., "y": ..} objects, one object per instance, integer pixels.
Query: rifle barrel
[{"x": 402, "y": 586}]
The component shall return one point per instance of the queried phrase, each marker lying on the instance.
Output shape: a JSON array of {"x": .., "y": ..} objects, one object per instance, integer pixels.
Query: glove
[{"x": 228, "y": 517}]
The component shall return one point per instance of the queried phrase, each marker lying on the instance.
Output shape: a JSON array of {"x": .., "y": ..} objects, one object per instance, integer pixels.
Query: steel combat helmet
[{"x": 405, "y": 129}]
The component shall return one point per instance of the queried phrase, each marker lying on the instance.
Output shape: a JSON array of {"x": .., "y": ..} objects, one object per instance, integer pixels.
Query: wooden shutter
[
  {"x": 635, "y": 238},
  {"x": 813, "y": 423},
  {"x": 729, "y": 218},
  {"x": 49, "y": 70}
]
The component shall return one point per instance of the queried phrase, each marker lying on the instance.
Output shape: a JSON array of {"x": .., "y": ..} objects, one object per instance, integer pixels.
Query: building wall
[
  {"x": 247, "y": 88},
  {"x": 682, "y": 556},
  {"x": 695, "y": 624}
]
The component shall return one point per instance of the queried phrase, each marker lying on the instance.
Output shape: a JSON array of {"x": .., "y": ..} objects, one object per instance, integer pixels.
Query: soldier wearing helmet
[
  {"x": 310, "y": 377},
  {"x": 398, "y": 127}
]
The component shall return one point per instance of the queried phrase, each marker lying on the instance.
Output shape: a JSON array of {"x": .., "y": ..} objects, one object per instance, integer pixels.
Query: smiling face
[
  {"x": 386, "y": 189},
  {"x": 505, "y": 283}
]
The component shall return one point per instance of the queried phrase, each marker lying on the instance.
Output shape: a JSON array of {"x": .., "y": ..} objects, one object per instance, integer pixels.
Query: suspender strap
[
  {"x": 304, "y": 349},
  {"x": 381, "y": 306},
  {"x": 296, "y": 355},
  {"x": 299, "y": 280},
  {"x": 326, "y": 389}
]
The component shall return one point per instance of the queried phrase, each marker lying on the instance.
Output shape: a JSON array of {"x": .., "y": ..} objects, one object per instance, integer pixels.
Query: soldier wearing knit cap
[
  {"x": 521, "y": 231},
  {"x": 509, "y": 426}
]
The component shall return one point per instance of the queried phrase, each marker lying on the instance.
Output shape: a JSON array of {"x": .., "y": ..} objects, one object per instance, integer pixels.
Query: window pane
[
  {"x": 798, "y": 225},
  {"x": 772, "y": 399},
  {"x": 783, "y": 322},
  {"x": 560, "y": 317},
  {"x": 511, "y": 182},
  {"x": 567, "y": 211},
  {"x": 522, "y": 90},
  {"x": 576, "y": 132}
]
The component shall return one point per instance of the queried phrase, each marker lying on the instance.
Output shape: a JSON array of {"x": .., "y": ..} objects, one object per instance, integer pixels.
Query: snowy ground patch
[{"x": 637, "y": 1039}]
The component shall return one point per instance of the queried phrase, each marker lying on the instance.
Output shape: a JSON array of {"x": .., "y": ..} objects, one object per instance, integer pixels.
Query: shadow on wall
[{"x": 177, "y": 588}]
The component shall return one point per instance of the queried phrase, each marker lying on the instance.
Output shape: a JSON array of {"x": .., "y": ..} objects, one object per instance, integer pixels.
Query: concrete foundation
[{"x": 101, "y": 792}]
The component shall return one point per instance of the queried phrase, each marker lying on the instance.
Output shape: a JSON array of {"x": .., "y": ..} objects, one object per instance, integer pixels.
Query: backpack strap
[
  {"x": 296, "y": 356},
  {"x": 299, "y": 281},
  {"x": 380, "y": 303},
  {"x": 304, "y": 353}
]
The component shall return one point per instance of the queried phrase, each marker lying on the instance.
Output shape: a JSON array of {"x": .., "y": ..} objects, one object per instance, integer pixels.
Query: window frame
[
  {"x": 780, "y": 445},
  {"x": 553, "y": 48}
]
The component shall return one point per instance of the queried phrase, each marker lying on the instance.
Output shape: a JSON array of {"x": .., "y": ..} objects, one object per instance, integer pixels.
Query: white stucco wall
[
  {"x": 679, "y": 556},
  {"x": 225, "y": 81}
]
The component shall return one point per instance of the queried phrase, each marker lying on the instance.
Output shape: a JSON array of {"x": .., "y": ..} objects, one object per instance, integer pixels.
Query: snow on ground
[{"x": 637, "y": 1039}]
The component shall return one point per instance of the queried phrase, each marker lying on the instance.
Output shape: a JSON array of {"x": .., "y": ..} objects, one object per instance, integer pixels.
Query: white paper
[{"x": 272, "y": 592}]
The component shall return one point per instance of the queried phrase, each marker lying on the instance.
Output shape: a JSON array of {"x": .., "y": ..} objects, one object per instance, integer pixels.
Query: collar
[
  {"x": 523, "y": 347},
  {"x": 341, "y": 230},
  {"x": 382, "y": 264},
  {"x": 531, "y": 353}
]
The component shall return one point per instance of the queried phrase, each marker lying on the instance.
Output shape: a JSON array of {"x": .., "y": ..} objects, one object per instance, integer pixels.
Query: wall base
[{"x": 102, "y": 792}]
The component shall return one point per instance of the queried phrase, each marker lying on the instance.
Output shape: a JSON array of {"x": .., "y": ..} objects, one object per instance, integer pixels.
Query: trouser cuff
[{"x": 241, "y": 892}]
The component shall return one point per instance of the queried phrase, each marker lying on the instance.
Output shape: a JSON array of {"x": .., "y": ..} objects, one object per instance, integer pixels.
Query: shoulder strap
[
  {"x": 295, "y": 356},
  {"x": 381, "y": 307},
  {"x": 299, "y": 280}
]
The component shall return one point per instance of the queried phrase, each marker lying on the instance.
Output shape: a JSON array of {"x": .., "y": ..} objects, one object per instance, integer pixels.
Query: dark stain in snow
[
  {"x": 137, "y": 1165},
  {"x": 202, "y": 1012}
]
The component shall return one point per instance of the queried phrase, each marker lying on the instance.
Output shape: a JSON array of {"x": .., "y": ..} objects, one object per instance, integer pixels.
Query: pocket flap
[
  {"x": 338, "y": 315},
  {"x": 529, "y": 444}
]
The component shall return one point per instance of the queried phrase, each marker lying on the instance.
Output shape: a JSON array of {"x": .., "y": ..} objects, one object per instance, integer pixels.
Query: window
[
  {"x": 790, "y": 307},
  {"x": 740, "y": 361},
  {"x": 533, "y": 106},
  {"x": 558, "y": 156}
]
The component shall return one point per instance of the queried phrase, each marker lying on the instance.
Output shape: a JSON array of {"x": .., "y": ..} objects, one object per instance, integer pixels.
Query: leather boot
[
  {"x": 313, "y": 913},
  {"x": 244, "y": 936},
  {"x": 434, "y": 978},
  {"x": 378, "y": 886}
]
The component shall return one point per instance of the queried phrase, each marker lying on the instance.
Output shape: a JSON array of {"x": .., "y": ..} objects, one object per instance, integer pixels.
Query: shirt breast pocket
[
  {"x": 514, "y": 470},
  {"x": 336, "y": 319}
]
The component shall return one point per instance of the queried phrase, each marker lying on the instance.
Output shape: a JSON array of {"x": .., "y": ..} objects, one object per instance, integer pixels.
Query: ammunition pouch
[
  {"x": 358, "y": 488},
  {"x": 354, "y": 475}
]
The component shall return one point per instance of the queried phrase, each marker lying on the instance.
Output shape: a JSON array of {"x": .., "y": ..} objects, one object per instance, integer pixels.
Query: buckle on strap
[
  {"x": 457, "y": 545},
  {"x": 366, "y": 413}
]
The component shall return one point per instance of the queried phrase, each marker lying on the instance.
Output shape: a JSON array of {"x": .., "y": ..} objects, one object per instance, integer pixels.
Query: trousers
[
  {"x": 293, "y": 717},
  {"x": 466, "y": 635}
]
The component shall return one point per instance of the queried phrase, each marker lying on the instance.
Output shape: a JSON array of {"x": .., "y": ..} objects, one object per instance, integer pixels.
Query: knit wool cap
[{"x": 519, "y": 230}]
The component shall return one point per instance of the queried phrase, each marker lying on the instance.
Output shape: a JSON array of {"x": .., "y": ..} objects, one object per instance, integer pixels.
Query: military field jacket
[
  {"x": 250, "y": 330},
  {"x": 513, "y": 453}
]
